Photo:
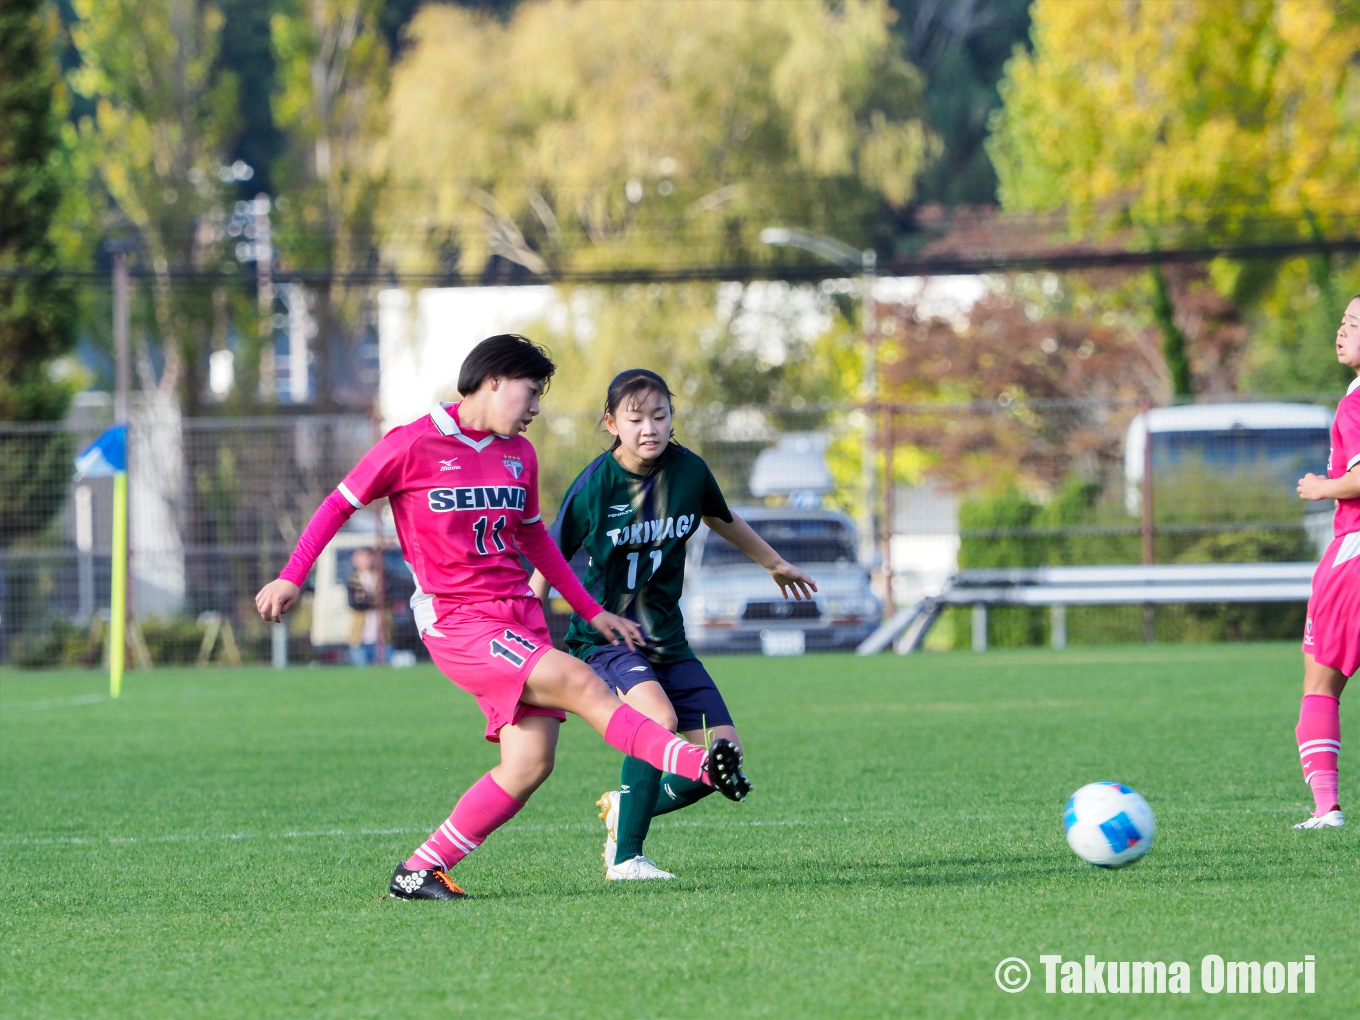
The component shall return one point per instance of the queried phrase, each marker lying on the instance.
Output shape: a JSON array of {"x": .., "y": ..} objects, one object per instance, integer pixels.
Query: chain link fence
[{"x": 217, "y": 503}]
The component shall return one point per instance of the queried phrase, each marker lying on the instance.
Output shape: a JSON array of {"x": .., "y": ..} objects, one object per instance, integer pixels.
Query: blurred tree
[
  {"x": 961, "y": 48},
  {"x": 247, "y": 53},
  {"x": 163, "y": 123},
  {"x": 599, "y": 134},
  {"x": 332, "y": 81},
  {"x": 1182, "y": 123},
  {"x": 37, "y": 323},
  {"x": 37, "y": 311}
]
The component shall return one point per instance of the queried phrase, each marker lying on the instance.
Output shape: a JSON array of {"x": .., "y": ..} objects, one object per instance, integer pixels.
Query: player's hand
[
  {"x": 276, "y": 598},
  {"x": 791, "y": 579},
  {"x": 615, "y": 627},
  {"x": 1310, "y": 486}
]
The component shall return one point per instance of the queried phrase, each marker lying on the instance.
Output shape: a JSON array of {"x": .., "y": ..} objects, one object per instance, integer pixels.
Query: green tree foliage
[
  {"x": 961, "y": 47},
  {"x": 601, "y": 134},
  {"x": 246, "y": 51},
  {"x": 164, "y": 120},
  {"x": 36, "y": 311},
  {"x": 37, "y": 321},
  {"x": 332, "y": 81},
  {"x": 1181, "y": 122}
]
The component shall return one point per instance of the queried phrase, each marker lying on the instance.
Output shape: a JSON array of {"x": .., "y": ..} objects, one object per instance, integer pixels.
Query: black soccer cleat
[
  {"x": 425, "y": 884},
  {"x": 724, "y": 770}
]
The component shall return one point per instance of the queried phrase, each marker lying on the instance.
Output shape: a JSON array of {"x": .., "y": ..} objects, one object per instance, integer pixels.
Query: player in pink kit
[
  {"x": 463, "y": 486},
  {"x": 1331, "y": 637}
]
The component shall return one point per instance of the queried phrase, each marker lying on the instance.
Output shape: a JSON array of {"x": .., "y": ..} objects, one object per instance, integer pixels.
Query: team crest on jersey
[{"x": 514, "y": 465}]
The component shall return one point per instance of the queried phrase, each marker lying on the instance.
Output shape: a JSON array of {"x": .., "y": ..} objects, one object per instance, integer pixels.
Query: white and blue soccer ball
[{"x": 1108, "y": 824}]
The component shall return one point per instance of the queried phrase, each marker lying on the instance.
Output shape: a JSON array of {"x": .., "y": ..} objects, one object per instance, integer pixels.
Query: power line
[{"x": 928, "y": 265}]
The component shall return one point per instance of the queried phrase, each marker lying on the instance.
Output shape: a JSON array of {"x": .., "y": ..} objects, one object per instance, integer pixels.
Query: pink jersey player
[
  {"x": 1331, "y": 638},
  {"x": 463, "y": 486}
]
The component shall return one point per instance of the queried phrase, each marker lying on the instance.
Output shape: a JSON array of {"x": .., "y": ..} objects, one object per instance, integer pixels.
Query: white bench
[{"x": 1059, "y": 587}]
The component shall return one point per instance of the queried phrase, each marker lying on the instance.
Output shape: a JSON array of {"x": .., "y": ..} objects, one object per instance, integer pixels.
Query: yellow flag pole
[{"x": 118, "y": 597}]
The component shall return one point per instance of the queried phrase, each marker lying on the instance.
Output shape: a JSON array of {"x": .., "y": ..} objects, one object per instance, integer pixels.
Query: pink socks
[
  {"x": 1319, "y": 736},
  {"x": 634, "y": 734},
  {"x": 479, "y": 812}
]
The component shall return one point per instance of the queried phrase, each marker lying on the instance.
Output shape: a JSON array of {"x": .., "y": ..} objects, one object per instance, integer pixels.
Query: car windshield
[{"x": 799, "y": 541}]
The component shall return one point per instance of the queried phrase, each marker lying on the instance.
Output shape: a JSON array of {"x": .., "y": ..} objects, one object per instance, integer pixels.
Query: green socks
[
  {"x": 640, "y": 785},
  {"x": 645, "y": 793},
  {"x": 677, "y": 792}
]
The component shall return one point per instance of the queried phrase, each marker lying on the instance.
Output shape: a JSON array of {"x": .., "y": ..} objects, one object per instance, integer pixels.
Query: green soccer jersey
[{"x": 635, "y": 527}]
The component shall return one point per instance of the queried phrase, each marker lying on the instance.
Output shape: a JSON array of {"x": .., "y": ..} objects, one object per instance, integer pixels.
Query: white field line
[
  {"x": 336, "y": 834},
  {"x": 41, "y": 706},
  {"x": 660, "y": 823}
]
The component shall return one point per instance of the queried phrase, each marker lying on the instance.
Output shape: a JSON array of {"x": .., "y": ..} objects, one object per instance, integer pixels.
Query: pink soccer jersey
[
  {"x": 458, "y": 499},
  {"x": 1345, "y": 455}
]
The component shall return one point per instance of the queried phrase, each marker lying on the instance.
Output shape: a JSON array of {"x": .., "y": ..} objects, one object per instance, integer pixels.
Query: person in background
[{"x": 365, "y": 619}]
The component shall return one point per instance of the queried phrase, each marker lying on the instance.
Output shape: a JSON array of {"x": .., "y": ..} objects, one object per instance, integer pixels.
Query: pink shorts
[
  {"x": 489, "y": 649},
  {"x": 1332, "y": 633}
]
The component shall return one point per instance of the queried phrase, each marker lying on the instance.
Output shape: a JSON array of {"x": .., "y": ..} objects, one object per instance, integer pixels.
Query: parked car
[{"x": 729, "y": 602}]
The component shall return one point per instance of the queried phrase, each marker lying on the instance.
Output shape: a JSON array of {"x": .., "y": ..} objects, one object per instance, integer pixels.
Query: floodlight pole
[{"x": 866, "y": 261}]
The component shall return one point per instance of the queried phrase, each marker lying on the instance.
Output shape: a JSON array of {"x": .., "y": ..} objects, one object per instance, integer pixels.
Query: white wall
[{"x": 422, "y": 343}]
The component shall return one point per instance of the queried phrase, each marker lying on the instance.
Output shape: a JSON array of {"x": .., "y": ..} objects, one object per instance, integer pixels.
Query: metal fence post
[
  {"x": 278, "y": 645},
  {"x": 979, "y": 627},
  {"x": 1057, "y": 629}
]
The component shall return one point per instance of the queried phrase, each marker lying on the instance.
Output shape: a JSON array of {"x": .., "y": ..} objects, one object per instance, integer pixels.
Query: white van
[{"x": 1286, "y": 440}]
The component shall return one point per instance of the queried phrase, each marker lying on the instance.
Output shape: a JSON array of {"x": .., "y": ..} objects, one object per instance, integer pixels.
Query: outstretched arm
[
  {"x": 281, "y": 594},
  {"x": 785, "y": 574},
  {"x": 556, "y": 572}
]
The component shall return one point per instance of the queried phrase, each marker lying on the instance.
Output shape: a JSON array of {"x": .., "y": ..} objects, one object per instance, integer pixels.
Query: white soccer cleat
[
  {"x": 1331, "y": 820},
  {"x": 609, "y": 814},
  {"x": 636, "y": 869}
]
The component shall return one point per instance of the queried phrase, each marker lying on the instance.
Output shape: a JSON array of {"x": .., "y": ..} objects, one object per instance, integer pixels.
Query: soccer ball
[{"x": 1108, "y": 825}]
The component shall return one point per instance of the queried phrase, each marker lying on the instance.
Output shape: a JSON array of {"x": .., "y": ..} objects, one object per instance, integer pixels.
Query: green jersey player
[{"x": 633, "y": 509}]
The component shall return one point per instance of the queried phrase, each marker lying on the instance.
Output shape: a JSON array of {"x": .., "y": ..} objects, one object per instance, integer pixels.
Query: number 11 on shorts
[{"x": 515, "y": 656}]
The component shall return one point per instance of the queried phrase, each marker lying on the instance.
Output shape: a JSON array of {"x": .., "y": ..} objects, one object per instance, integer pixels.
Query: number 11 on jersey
[{"x": 633, "y": 567}]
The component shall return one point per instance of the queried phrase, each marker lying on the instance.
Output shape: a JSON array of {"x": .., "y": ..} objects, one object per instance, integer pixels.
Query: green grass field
[{"x": 219, "y": 843}]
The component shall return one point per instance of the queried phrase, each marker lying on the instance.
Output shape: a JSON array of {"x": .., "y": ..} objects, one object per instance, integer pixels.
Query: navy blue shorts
[{"x": 692, "y": 692}]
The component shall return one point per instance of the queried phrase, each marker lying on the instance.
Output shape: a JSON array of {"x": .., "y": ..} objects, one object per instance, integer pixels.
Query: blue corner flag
[{"x": 106, "y": 456}]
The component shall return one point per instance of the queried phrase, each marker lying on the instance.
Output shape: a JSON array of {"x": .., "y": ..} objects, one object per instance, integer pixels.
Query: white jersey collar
[
  {"x": 446, "y": 423},
  {"x": 1355, "y": 385}
]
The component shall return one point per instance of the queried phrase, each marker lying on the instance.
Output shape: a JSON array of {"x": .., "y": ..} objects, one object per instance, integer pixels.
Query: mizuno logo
[
  {"x": 449, "y": 465},
  {"x": 477, "y": 497}
]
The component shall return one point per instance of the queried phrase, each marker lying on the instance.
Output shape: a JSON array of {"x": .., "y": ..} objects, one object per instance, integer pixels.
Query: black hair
[
  {"x": 630, "y": 384},
  {"x": 504, "y": 356}
]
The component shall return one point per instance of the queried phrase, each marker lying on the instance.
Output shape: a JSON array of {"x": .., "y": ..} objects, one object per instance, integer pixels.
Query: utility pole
[
  {"x": 866, "y": 262},
  {"x": 868, "y": 538},
  {"x": 263, "y": 250}
]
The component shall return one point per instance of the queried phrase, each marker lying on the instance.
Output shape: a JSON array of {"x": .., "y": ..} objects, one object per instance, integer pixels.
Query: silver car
[{"x": 731, "y": 605}]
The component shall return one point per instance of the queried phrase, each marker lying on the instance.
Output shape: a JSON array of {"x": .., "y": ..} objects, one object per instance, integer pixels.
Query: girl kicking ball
[
  {"x": 633, "y": 509},
  {"x": 462, "y": 483},
  {"x": 1331, "y": 636}
]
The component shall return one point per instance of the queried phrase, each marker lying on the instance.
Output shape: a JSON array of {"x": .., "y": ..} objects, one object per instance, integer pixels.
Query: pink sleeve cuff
[{"x": 330, "y": 516}]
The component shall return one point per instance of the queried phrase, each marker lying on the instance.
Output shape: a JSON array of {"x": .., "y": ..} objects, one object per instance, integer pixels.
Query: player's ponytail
[{"x": 628, "y": 386}]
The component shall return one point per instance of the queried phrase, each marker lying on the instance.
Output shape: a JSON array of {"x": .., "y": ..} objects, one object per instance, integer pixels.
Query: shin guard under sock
[
  {"x": 479, "y": 812},
  {"x": 639, "y": 783},
  {"x": 1319, "y": 736},
  {"x": 634, "y": 734}
]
